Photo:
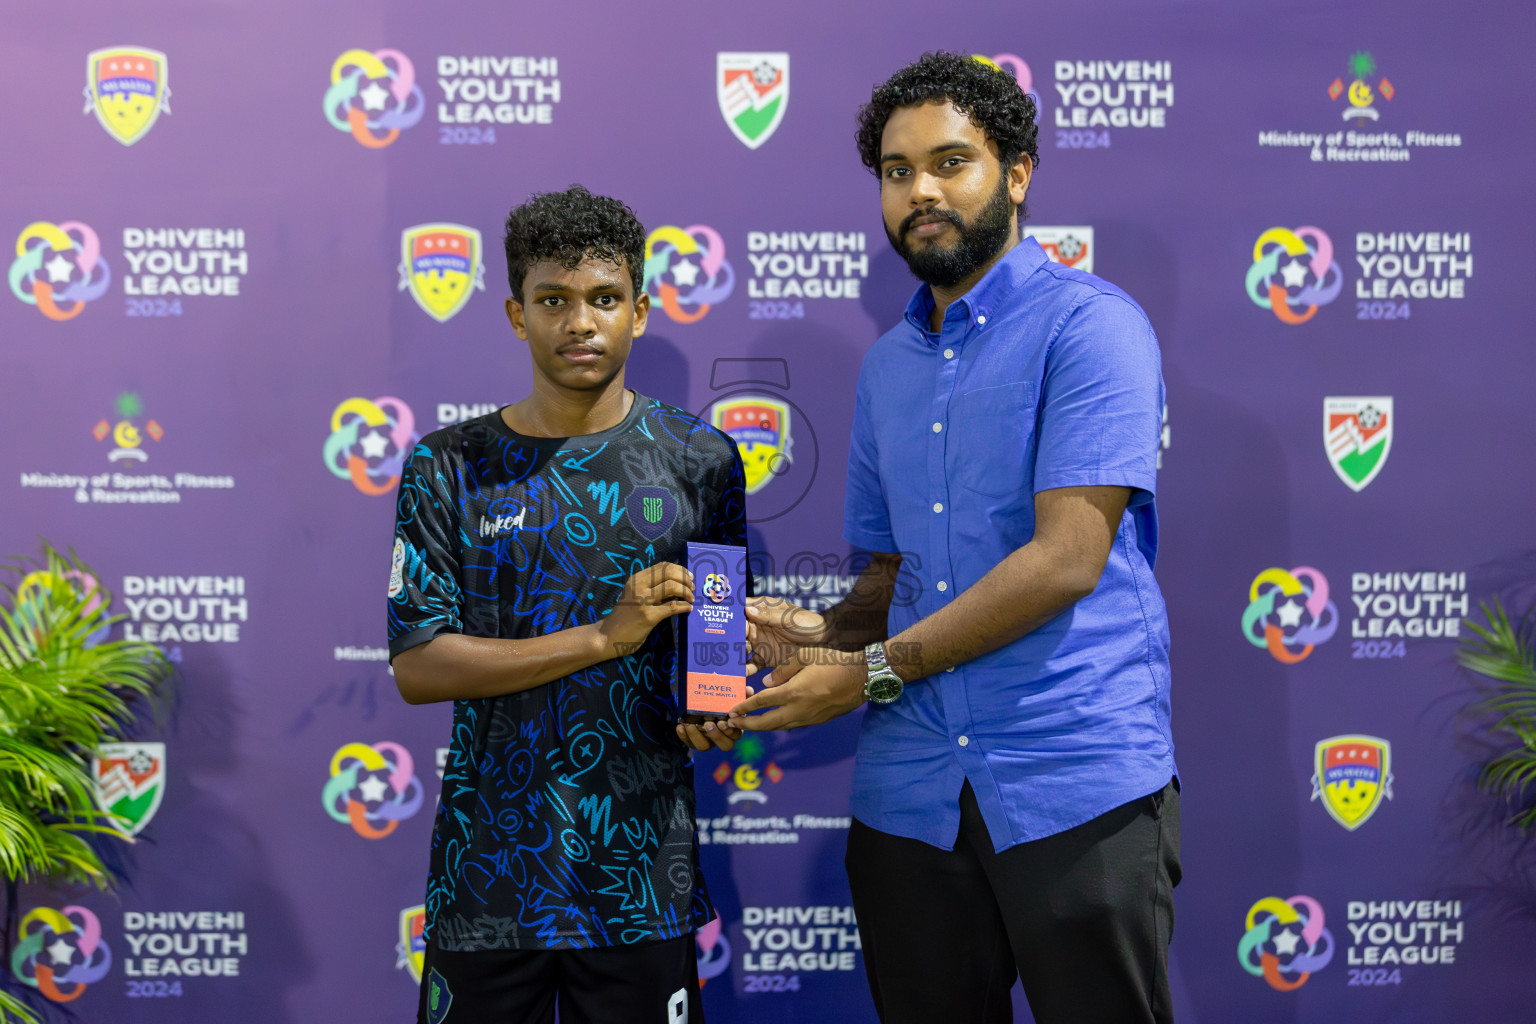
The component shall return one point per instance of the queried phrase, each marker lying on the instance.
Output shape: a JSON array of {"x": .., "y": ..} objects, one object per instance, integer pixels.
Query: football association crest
[
  {"x": 1071, "y": 246},
  {"x": 412, "y": 949},
  {"x": 1351, "y": 776},
  {"x": 440, "y": 265},
  {"x": 1358, "y": 435},
  {"x": 753, "y": 90},
  {"x": 130, "y": 782},
  {"x": 125, "y": 86},
  {"x": 651, "y": 510},
  {"x": 760, "y": 427}
]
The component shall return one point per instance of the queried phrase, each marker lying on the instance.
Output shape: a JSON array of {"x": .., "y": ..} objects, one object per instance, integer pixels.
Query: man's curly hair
[
  {"x": 989, "y": 97},
  {"x": 567, "y": 227}
]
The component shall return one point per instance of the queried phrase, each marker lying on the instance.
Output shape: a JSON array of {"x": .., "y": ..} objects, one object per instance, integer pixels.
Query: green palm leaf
[
  {"x": 64, "y": 691},
  {"x": 1505, "y": 652}
]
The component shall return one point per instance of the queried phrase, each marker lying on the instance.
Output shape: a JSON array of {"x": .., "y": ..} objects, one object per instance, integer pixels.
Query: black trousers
[
  {"x": 649, "y": 983},
  {"x": 1083, "y": 917}
]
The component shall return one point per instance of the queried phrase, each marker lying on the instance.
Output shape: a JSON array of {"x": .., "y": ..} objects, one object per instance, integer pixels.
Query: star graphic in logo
[
  {"x": 685, "y": 273},
  {"x": 1290, "y": 614},
  {"x": 373, "y": 789},
  {"x": 59, "y": 268},
  {"x": 60, "y": 951},
  {"x": 1294, "y": 273},
  {"x": 374, "y": 445},
  {"x": 374, "y": 97},
  {"x": 1285, "y": 942}
]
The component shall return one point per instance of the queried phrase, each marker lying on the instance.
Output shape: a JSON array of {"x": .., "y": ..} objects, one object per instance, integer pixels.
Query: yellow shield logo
[
  {"x": 760, "y": 427},
  {"x": 440, "y": 265},
  {"x": 125, "y": 86},
  {"x": 1352, "y": 774},
  {"x": 411, "y": 952}
]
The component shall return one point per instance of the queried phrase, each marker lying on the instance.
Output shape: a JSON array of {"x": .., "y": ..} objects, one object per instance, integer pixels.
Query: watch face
[{"x": 884, "y": 688}]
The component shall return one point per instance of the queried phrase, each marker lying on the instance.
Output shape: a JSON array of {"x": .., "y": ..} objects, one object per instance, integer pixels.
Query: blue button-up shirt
[{"x": 1041, "y": 377}]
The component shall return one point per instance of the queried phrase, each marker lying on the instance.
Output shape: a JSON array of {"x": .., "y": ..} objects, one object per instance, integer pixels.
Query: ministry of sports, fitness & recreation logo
[
  {"x": 440, "y": 264},
  {"x": 1361, "y": 66},
  {"x": 125, "y": 87},
  {"x": 372, "y": 788},
  {"x": 369, "y": 442},
  {"x": 128, "y": 438},
  {"x": 1308, "y": 274},
  {"x": 373, "y": 96},
  {"x": 753, "y": 90},
  {"x": 59, "y": 268},
  {"x": 686, "y": 270},
  {"x": 1286, "y": 941},
  {"x": 1289, "y": 612}
]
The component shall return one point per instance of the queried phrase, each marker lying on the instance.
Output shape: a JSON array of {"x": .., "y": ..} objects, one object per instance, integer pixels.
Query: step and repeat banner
[{"x": 256, "y": 257}]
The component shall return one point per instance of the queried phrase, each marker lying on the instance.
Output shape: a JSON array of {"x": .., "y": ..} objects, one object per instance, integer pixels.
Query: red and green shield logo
[
  {"x": 1358, "y": 436},
  {"x": 753, "y": 90},
  {"x": 130, "y": 782}
]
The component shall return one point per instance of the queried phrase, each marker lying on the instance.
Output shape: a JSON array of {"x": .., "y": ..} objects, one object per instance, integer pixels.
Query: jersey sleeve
[
  {"x": 424, "y": 596},
  {"x": 1102, "y": 401}
]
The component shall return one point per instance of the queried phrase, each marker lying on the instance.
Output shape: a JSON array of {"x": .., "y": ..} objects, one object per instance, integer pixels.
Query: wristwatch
[{"x": 884, "y": 685}]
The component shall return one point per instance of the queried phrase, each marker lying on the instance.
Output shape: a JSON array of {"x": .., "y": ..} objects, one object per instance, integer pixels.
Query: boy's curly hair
[{"x": 567, "y": 227}]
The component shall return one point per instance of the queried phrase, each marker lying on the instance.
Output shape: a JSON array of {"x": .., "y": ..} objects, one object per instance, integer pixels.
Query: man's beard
[{"x": 976, "y": 244}]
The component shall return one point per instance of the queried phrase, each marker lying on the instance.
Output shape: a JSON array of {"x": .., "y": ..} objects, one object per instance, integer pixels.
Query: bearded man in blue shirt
[{"x": 1015, "y": 797}]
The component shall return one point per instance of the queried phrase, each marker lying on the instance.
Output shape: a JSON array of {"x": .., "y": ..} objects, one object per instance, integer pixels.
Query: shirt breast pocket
[{"x": 992, "y": 439}]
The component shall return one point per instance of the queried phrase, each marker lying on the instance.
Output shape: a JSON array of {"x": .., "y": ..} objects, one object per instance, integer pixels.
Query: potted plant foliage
[
  {"x": 65, "y": 688},
  {"x": 1505, "y": 652}
]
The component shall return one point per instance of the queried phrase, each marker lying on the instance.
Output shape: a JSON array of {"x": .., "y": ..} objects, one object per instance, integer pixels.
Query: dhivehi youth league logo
[
  {"x": 373, "y": 96},
  {"x": 760, "y": 427},
  {"x": 753, "y": 90},
  {"x": 1308, "y": 274},
  {"x": 1289, "y": 612},
  {"x": 1351, "y": 775},
  {"x": 686, "y": 270},
  {"x": 369, "y": 442},
  {"x": 441, "y": 266},
  {"x": 1285, "y": 941},
  {"x": 58, "y": 268},
  {"x": 372, "y": 788},
  {"x": 1358, "y": 435},
  {"x": 130, "y": 782},
  {"x": 60, "y": 952},
  {"x": 125, "y": 87}
]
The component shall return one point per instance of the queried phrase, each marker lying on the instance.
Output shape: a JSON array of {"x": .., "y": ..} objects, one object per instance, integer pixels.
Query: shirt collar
[{"x": 986, "y": 296}]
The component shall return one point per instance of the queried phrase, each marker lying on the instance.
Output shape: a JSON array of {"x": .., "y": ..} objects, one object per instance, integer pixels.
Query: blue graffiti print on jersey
[{"x": 567, "y": 813}]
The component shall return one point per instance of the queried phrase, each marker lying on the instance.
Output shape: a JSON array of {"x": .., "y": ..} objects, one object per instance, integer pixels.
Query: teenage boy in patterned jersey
[{"x": 536, "y": 551}]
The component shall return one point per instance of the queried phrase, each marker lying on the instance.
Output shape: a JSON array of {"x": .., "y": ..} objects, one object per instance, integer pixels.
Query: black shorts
[{"x": 647, "y": 983}]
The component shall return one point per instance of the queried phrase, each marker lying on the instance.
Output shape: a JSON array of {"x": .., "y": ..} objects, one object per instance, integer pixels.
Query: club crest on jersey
[
  {"x": 1351, "y": 776},
  {"x": 439, "y": 998},
  {"x": 125, "y": 87},
  {"x": 753, "y": 90},
  {"x": 440, "y": 264},
  {"x": 412, "y": 950},
  {"x": 1358, "y": 435},
  {"x": 130, "y": 782},
  {"x": 652, "y": 511},
  {"x": 760, "y": 427}
]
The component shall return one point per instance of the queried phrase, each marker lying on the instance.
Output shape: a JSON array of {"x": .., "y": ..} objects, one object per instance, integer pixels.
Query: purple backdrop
[{"x": 194, "y": 447}]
